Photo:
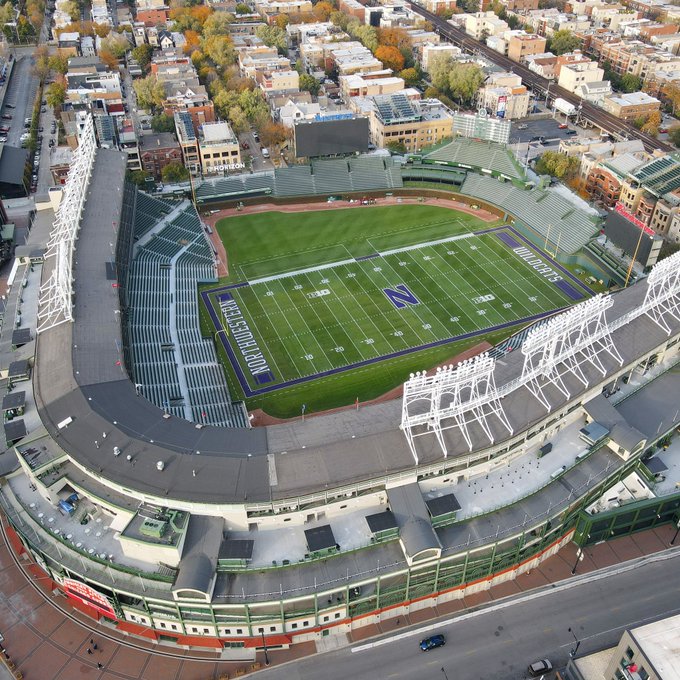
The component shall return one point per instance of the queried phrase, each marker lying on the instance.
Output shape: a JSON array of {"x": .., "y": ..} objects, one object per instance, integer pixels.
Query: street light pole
[
  {"x": 579, "y": 557},
  {"x": 266, "y": 657},
  {"x": 677, "y": 531},
  {"x": 573, "y": 652}
]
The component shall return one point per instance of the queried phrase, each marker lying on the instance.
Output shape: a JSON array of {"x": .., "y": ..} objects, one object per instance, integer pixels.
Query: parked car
[
  {"x": 572, "y": 132},
  {"x": 432, "y": 642},
  {"x": 522, "y": 126},
  {"x": 245, "y": 145},
  {"x": 7, "y": 116},
  {"x": 563, "y": 126},
  {"x": 539, "y": 667},
  {"x": 3, "y": 139},
  {"x": 10, "y": 106}
]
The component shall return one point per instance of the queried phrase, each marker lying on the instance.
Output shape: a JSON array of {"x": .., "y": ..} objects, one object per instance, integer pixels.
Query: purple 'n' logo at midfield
[{"x": 400, "y": 296}]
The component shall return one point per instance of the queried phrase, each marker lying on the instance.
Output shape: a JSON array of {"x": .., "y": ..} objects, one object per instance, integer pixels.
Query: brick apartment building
[{"x": 157, "y": 151}]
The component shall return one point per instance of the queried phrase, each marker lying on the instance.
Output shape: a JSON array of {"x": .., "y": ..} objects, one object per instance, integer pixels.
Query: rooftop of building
[
  {"x": 634, "y": 99},
  {"x": 158, "y": 140},
  {"x": 217, "y": 133},
  {"x": 660, "y": 643}
]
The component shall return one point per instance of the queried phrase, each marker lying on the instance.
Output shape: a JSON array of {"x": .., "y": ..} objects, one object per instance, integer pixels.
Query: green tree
[
  {"x": 150, "y": 92},
  {"x": 238, "y": 119},
  {"x": 142, "y": 55},
  {"x": 219, "y": 49},
  {"x": 309, "y": 84},
  {"x": 468, "y": 6},
  {"x": 217, "y": 24},
  {"x": 340, "y": 19},
  {"x": 651, "y": 125},
  {"x": 242, "y": 8},
  {"x": 163, "y": 123},
  {"x": 671, "y": 93},
  {"x": 55, "y": 95},
  {"x": 174, "y": 172},
  {"x": 273, "y": 36},
  {"x": 58, "y": 63},
  {"x": 557, "y": 165},
  {"x": 6, "y": 14},
  {"x": 366, "y": 35},
  {"x": 464, "y": 81},
  {"x": 72, "y": 9},
  {"x": 25, "y": 29},
  {"x": 41, "y": 67},
  {"x": 117, "y": 44},
  {"x": 440, "y": 67},
  {"x": 138, "y": 177},
  {"x": 674, "y": 136},
  {"x": 562, "y": 42},
  {"x": 630, "y": 83},
  {"x": 411, "y": 76}
]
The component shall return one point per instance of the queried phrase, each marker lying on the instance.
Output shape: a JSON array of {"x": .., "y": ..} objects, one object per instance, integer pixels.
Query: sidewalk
[{"x": 46, "y": 645}]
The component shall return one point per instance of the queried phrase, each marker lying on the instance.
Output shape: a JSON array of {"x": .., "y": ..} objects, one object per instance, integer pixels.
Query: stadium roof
[{"x": 79, "y": 375}]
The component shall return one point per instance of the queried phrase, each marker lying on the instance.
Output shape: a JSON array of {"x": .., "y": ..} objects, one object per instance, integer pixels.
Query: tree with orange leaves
[
  {"x": 394, "y": 37},
  {"x": 193, "y": 40},
  {"x": 109, "y": 59},
  {"x": 391, "y": 57}
]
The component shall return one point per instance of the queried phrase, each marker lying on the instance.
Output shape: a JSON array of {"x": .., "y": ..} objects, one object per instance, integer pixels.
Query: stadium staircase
[{"x": 174, "y": 366}]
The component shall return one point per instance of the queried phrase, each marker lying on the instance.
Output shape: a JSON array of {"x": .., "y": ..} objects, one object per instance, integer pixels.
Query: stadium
[{"x": 148, "y": 498}]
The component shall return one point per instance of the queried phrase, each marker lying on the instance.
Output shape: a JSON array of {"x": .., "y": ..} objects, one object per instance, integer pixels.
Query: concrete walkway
[{"x": 45, "y": 644}]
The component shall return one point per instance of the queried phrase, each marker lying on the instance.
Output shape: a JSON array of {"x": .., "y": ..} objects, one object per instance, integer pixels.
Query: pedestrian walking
[
  {"x": 99, "y": 665},
  {"x": 91, "y": 641},
  {"x": 89, "y": 651},
  {"x": 94, "y": 646}
]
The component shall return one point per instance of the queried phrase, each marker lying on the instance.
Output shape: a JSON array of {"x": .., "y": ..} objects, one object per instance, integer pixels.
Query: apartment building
[
  {"x": 572, "y": 76},
  {"x": 481, "y": 25},
  {"x": 219, "y": 149},
  {"x": 428, "y": 51},
  {"x": 129, "y": 144},
  {"x": 439, "y": 6},
  {"x": 520, "y": 5},
  {"x": 352, "y": 8},
  {"x": 631, "y": 105},
  {"x": 575, "y": 57},
  {"x": 188, "y": 143},
  {"x": 544, "y": 64},
  {"x": 639, "y": 59},
  {"x": 395, "y": 118},
  {"x": 605, "y": 178},
  {"x": 525, "y": 44},
  {"x": 370, "y": 84},
  {"x": 157, "y": 151},
  {"x": 278, "y": 80},
  {"x": 505, "y": 96}
]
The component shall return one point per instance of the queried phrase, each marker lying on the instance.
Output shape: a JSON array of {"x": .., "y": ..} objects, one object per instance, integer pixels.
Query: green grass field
[{"x": 318, "y": 325}]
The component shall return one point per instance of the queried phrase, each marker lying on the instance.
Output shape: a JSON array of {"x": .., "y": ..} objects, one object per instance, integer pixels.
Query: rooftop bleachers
[
  {"x": 476, "y": 154},
  {"x": 174, "y": 365},
  {"x": 552, "y": 216},
  {"x": 148, "y": 211}
]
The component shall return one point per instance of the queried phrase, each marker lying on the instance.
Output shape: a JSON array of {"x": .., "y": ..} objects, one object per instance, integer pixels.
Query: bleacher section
[
  {"x": 547, "y": 213},
  {"x": 323, "y": 177},
  {"x": 479, "y": 155},
  {"x": 173, "y": 365}
]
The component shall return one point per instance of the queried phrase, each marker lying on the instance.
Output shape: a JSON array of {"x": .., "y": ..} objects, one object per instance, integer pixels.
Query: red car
[
  {"x": 563, "y": 126},
  {"x": 245, "y": 145}
]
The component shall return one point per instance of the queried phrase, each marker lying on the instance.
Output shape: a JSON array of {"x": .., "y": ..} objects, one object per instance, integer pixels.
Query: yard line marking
[
  {"x": 306, "y": 325},
  {"x": 338, "y": 322},
  {"x": 286, "y": 275},
  {"x": 416, "y": 246},
  {"x": 369, "y": 316}
]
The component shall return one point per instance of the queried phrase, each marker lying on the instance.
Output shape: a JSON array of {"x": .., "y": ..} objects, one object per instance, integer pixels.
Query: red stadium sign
[
  {"x": 89, "y": 596},
  {"x": 631, "y": 218}
]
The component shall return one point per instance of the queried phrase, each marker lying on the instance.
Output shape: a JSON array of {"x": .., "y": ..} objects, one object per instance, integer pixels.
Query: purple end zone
[
  {"x": 567, "y": 288},
  {"x": 508, "y": 240}
]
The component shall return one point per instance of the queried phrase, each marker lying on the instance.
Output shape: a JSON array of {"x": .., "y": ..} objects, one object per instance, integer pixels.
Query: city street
[
  {"x": 21, "y": 91},
  {"x": 500, "y": 641}
]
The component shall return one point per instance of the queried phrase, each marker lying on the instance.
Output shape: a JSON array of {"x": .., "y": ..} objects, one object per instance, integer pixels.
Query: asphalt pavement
[
  {"x": 501, "y": 640},
  {"x": 20, "y": 94}
]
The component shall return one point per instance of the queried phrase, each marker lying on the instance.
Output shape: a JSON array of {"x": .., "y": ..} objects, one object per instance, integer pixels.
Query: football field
[{"x": 302, "y": 324}]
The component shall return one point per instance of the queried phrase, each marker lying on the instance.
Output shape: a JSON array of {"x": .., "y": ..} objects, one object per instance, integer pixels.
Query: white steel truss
[
  {"x": 564, "y": 344},
  {"x": 455, "y": 396},
  {"x": 663, "y": 292},
  {"x": 55, "y": 305}
]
